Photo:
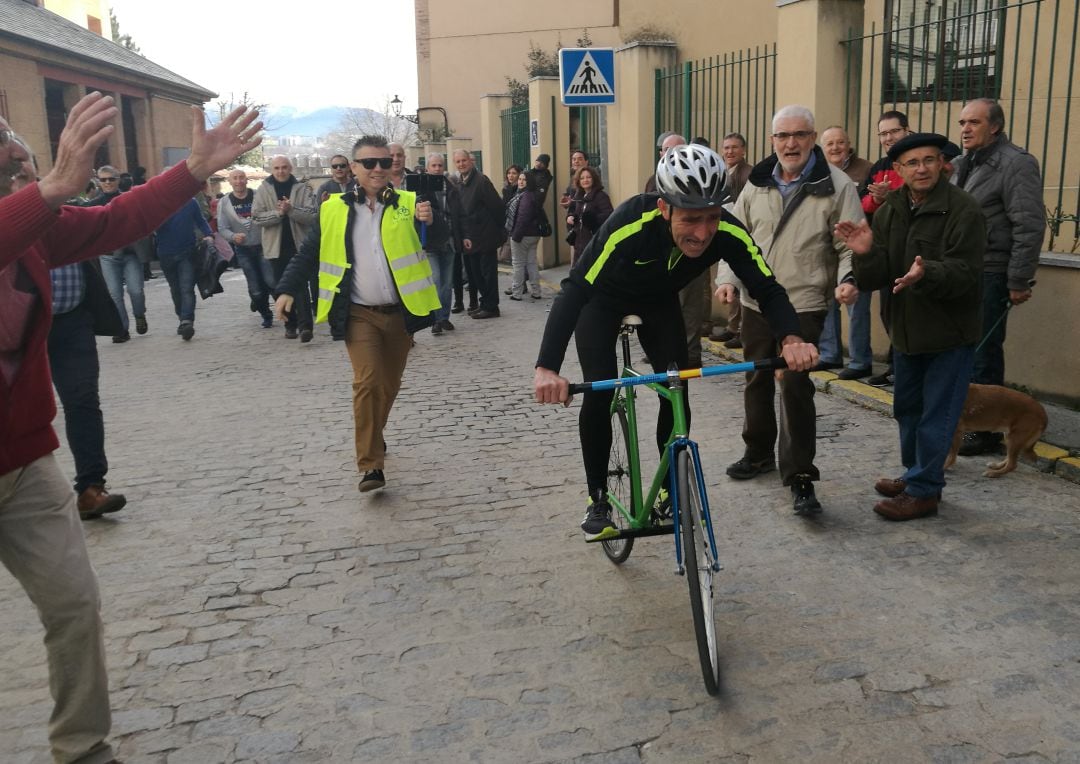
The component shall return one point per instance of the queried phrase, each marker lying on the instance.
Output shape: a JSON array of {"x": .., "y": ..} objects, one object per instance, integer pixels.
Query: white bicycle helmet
[{"x": 691, "y": 176}]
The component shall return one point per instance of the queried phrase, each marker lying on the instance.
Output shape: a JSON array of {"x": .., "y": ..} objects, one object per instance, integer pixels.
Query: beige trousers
[
  {"x": 42, "y": 544},
  {"x": 378, "y": 348}
]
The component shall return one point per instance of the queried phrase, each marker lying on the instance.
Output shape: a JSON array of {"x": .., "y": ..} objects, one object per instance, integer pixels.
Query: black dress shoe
[
  {"x": 372, "y": 479},
  {"x": 979, "y": 443},
  {"x": 804, "y": 501},
  {"x": 448, "y": 326},
  {"x": 459, "y": 308},
  {"x": 486, "y": 313},
  {"x": 850, "y": 373},
  {"x": 118, "y": 338}
]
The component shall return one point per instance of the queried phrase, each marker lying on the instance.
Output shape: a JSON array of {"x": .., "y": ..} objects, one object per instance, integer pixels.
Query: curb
[{"x": 1049, "y": 458}]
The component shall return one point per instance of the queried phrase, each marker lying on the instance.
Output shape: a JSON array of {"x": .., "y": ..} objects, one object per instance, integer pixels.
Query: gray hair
[
  {"x": 466, "y": 152},
  {"x": 276, "y": 157},
  {"x": 108, "y": 168},
  {"x": 436, "y": 155},
  {"x": 793, "y": 111},
  {"x": 995, "y": 115}
]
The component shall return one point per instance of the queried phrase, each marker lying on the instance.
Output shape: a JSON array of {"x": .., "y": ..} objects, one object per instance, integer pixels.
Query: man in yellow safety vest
[{"x": 375, "y": 288}]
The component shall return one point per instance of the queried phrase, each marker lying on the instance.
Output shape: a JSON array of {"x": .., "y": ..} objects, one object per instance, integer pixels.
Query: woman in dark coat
[
  {"x": 524, "y": 236},
  {"x": 589, "y": 209},
  {"x": 509, "y": 191}
]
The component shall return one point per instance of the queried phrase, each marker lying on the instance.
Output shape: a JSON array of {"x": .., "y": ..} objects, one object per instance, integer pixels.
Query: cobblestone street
[{"x": 259, "y": 609}]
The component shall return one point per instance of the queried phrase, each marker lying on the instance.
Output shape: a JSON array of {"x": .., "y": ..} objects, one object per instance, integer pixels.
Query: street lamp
[{"x": 396, "y": 105}]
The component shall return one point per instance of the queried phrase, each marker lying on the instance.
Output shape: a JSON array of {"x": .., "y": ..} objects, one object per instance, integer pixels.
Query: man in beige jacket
[
  {"x": 285, "y": 209},
  {"x": 790, "y": 204}
]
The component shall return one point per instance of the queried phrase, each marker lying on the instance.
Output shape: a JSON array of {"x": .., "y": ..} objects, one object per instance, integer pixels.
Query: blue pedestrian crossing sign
[{"x": 587, "y": 76}]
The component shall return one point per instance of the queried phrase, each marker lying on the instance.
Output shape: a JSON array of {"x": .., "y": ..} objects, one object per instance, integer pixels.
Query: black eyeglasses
[
  {"x": 339, "y": 166},
  {"x": 368, "y": 163},
  {"x": 107, "y": 180}
]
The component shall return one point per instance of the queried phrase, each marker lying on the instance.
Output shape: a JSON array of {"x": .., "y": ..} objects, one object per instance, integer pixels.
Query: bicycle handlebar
[{"x": 766, "y": 364}]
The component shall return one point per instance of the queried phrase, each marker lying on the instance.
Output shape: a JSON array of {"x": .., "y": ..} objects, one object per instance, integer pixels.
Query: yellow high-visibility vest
[{"x": 408, "y": 264}]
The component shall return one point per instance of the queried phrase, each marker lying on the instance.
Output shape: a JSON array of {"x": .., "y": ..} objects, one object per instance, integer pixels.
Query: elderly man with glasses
[
  {"x": 41, "y": 540},
  {"x": 790, "y": 204},
  {"x": 926, "y": 247}
]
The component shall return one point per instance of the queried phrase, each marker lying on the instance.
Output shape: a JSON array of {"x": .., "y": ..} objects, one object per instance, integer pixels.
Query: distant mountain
[{"x": 289, "y": 120}]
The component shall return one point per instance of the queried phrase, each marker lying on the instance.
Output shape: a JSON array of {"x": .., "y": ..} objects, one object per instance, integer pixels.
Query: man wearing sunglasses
[
  {"x": 341, "y": 178},
  {"x": 790, "y": 204},
  {"x": 375, "y": 289}
]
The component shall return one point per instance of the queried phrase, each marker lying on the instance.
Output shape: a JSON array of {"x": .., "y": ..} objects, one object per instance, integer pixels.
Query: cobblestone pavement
[{"x": 259, "y": 609}]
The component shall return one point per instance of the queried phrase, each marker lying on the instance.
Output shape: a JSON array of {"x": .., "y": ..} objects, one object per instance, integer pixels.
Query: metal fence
[
  {"x": 927, "y": 62},
  {"x": 729, "y": 93},
  {"x": 585, "y": 126},
  {"x": 515, "y": 136}
]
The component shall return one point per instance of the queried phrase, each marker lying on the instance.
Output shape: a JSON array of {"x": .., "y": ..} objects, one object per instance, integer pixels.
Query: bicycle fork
[{"x": 677, "y": 504}]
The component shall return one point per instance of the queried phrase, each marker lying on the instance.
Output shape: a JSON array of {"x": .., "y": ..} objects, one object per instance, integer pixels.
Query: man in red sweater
[{"x": 41, "y": 537}]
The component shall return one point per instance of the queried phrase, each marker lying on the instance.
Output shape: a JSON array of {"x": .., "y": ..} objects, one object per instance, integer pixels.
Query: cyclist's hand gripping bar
[{"x": 766, "y": 364}]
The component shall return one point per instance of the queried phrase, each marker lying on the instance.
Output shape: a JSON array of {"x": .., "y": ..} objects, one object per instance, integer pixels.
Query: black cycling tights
[{"x": 664, "y": 340}]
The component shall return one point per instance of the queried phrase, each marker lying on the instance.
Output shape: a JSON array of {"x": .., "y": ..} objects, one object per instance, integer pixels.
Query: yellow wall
[{"x": 78, "y": 10}]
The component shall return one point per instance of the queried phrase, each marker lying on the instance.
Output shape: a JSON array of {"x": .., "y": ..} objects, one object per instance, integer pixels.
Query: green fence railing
[
  {"x": 585, "y": 133},
  {"x": 515, "y": 136},
  {"x": 729, "y": 93},
  {"x": 928, "y": 60}
]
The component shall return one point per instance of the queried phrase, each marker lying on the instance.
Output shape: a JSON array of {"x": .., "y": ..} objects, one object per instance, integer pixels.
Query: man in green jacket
[{"x": 927, "y": 244}]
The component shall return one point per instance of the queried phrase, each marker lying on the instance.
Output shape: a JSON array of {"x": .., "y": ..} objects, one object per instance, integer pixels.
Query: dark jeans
[
  {"x": 990, "y": 360},
  {"x": 300, "y": 317},
  {"x": 486, "y": 270},
  {"x": 259, "y": 275},
  {"x": 74, "y": 360},
  {"x": 179, "y": 271},
  {"x": 928, "y": 398},
  {"x": 798, "y": 417},
  {"x": 664, "y": 340}
]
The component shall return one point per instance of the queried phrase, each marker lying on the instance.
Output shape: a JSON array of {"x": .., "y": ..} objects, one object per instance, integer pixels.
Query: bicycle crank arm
[{"x": 633, "y": 533}]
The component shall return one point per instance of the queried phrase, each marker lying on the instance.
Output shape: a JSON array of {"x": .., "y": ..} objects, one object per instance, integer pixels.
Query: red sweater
[{"x": 36, "y": 239}]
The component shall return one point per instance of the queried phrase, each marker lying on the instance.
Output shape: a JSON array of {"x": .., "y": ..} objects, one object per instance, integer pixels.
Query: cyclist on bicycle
[{"x": 650, "y": 247}]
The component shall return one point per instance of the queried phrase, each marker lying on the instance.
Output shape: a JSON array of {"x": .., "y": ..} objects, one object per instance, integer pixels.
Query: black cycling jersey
[{"x": 632, "y": 261}]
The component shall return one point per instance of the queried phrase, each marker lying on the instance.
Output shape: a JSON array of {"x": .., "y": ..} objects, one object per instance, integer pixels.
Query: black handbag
[{"x": 571, "y": 236}]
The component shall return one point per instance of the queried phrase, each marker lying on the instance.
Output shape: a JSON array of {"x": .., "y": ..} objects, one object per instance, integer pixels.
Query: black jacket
[
  {"x": 481, "y": 213},
  {"x": 305, "y": 264}
]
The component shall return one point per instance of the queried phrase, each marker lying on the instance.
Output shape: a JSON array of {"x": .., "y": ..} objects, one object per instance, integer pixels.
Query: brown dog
[{"x": 990, "y": 408}]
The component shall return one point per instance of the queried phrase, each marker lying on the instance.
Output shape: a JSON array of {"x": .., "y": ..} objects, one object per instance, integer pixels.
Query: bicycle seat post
[{"x": 629, "y": 323}]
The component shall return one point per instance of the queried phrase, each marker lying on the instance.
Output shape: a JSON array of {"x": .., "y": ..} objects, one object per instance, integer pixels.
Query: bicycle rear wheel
[
  {"x": 618, "y": 485},
  {"x": 699, "y": 572}
]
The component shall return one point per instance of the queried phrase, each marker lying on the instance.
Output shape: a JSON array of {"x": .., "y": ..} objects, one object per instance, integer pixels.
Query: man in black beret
[{"x": 927, "y": 245}]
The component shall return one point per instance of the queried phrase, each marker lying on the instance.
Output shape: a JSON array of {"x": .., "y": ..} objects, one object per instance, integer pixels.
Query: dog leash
[{"x": 1008, "y": 307}]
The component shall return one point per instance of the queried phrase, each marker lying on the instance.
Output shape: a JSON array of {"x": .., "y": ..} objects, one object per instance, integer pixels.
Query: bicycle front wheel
[
  {"x": 618, "y": 485},
  {"x": 699, "y": 572}
]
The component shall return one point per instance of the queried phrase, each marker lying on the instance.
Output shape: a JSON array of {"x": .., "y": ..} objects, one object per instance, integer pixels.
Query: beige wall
[
  {"x": 467, "y": 48},
  {"x": 702, "y": 28}
]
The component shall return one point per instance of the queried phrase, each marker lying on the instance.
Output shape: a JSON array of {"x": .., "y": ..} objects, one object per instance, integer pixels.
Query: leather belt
[{"x": 392, "y": 308}]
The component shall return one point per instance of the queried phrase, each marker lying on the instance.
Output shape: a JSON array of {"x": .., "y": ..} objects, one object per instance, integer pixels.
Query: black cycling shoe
[{"x": 597, "y": 522}]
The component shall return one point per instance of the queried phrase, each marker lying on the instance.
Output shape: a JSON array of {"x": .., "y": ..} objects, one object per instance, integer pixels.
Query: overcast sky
[{"x": 297, "y": 53}]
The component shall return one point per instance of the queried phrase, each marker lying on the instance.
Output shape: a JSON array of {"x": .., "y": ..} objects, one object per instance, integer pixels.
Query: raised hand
[
  {"x": 213, "y": 150},
  {"x": 857, "y": 236},
  {"x": 89, "y": 124}
]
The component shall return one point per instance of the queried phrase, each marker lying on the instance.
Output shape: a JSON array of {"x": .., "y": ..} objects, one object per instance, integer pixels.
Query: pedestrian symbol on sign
[{"x": 588, "y": 80}]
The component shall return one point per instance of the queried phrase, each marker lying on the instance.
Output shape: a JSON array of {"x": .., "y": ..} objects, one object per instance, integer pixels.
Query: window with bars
[{"x": 943, "y": 50}]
